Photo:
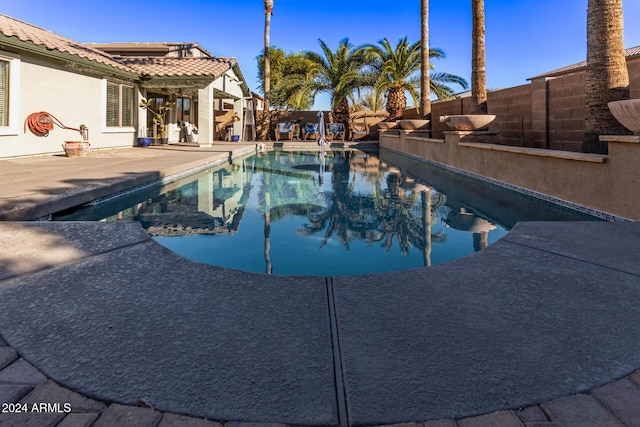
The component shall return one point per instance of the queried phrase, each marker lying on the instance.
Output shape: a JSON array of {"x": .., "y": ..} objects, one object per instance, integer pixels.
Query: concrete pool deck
[{"x": 545, "y": 320}]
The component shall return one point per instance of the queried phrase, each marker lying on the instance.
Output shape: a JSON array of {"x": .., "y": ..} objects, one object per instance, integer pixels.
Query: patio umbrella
[{"x": 322, "y": 140}]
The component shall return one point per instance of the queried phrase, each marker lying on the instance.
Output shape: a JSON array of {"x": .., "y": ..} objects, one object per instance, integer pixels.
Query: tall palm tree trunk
[
  {"x": 425, "y": 86},
  {"x": 396, "y": 103},
  {"x": 266, "y": 114},
  {"x": 341, "y": 113},
  {"x": 607, "y": 78},
  {"x": 478, "y": 73}
]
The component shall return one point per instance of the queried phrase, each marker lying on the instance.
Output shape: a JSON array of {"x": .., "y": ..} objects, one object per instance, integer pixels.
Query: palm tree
[
  {"x": 478, "y": 73},
  {"x": 266, "y": 119},
  {"x": 338, "y": 73},
  {"x": 370, "y": 99},
  {"x": 395, "y": 70},
  {"x": 425, "y": 93},
  {"x": 282, "y": 65},
  {"x": 607, "y": 78}
]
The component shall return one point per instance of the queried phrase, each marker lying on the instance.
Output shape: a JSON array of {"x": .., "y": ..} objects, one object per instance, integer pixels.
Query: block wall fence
[{"x": 546, "y": 113}]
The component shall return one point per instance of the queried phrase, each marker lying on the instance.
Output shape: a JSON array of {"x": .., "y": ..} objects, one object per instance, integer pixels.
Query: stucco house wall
[
  {"x": 68, "y": 80},
  {"x": 72, "y": 97}
]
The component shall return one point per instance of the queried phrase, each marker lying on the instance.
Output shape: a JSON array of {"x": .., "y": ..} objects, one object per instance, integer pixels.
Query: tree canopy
[
  {"x": 283, "y": 66},
  {"x": 296, "y": 78}
]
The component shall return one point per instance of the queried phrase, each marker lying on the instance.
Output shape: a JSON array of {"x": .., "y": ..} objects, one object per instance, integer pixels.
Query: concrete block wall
[
  {"x": 512, "y": 108},
  {"x": 446, "y": 108},
  {"x": 547, "y": 113},
  {"x": 566, "y": 112}
]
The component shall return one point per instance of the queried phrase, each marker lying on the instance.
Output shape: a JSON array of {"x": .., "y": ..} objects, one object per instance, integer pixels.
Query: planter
[
  {"x": 387, "y": 125},
  {"x": 76, "y": 148},
  {"x": 468, "y": 121},
  {"x": 627, "y": 112},
  {"x": 164, "y": 141},
  {"x": 413, "y": 124},
  {"x": 144, "y": 142}
]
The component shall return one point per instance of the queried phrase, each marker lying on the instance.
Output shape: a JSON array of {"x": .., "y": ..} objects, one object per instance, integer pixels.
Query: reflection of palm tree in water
[
  {"x": 402, "y": 218},
  {"x": 392, "y": 213},
  {"x": 343, "y": 216}
]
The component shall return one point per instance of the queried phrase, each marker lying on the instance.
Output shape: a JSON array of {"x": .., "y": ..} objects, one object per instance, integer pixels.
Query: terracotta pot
[
  {"x": 413, "y": 124},
  {"x": 76, "y": 148},
  {"x": 468, "y": 121},
  {"x": 627, "y": 112}
]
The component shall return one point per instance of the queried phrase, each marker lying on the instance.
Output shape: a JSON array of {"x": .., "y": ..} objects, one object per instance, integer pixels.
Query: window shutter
[
  {"x": 4, "y": 93},
  {"x": 127, "y": 106},
  {"x": 113, "y": 108}
]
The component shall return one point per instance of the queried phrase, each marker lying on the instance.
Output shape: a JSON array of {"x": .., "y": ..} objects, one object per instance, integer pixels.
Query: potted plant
[
  {"x": 159, "y": 118},
  {"x": 144, "y": 141}
]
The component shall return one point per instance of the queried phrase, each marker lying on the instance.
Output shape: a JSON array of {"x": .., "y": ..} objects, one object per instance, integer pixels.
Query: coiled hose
[{"x": 41, "y": 123}]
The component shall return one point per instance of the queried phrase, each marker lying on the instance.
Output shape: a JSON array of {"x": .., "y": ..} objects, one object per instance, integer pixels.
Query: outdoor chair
[
  {"x": 311, "y": 131},
  {"x": 335, "y": 131},
  {"x": 358, "y": 130},
  {"x": 285, "y": 130},
  {"x": 186, "y": 132}
]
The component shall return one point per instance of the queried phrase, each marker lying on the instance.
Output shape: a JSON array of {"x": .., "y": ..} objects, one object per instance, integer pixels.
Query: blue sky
[{"x": 523, "y": 37}]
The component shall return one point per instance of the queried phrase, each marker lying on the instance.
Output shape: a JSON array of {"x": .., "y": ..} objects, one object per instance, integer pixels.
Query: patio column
[
  {"x": 205, "y": 194},
  {"x": 206, "y": 124},
  {"x": 238, "y": 105}
]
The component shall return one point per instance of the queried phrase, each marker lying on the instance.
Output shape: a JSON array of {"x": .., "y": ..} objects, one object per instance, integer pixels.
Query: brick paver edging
[{"x": 45, "y": 403}]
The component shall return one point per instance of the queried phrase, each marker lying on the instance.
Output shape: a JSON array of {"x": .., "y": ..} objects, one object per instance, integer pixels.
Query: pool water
[{"x": 324, "y": 213}]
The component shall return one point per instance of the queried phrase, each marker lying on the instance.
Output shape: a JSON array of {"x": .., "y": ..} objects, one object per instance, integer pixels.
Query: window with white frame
[
  {"x": 4, "y": 92},
  {"x": 120, "y": 105},
  {"x": 9, "y": 93}
]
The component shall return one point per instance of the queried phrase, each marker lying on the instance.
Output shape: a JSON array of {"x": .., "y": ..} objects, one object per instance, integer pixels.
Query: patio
[{"x": 446, "y": 344}]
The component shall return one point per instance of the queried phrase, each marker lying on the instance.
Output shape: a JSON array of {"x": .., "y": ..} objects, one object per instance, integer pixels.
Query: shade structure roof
[{"x": 179, "y": 67}]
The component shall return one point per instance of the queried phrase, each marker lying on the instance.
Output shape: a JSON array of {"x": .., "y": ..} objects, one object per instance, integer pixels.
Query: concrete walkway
[{"x": 540, "y": 329}]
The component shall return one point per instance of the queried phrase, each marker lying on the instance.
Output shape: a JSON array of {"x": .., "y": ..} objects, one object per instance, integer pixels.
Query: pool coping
[{"x": 609, "y": 402}]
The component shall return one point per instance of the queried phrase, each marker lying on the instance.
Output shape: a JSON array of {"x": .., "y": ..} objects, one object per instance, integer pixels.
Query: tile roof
[
  {"x": 154, "y": 66},
  {"x": 179, "y": 67},
  {"x": 11, "y": 27},
  {"x": 632, "y": 52},
  {"x": 162, "y": 47}
]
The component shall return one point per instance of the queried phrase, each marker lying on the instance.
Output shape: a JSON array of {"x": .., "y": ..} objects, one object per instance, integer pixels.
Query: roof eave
[
  {"x": 577, "y": 68},
  {"x": 175, "y": 82},
  {"x": 30, "y": 47}
]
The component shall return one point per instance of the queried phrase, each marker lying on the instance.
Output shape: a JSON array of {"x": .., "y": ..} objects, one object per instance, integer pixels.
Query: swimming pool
[{"x": 324, "y": 213}]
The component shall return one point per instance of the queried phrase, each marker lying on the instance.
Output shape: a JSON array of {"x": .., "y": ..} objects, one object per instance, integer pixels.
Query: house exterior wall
[
  {"x": 634, "y": 78},
  {"x": 228, "y": 83},
  {"x": 74, "y": 98}
]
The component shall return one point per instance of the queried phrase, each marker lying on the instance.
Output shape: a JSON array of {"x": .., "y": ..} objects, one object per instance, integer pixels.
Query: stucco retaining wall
[{"x": 606, "y": 183}]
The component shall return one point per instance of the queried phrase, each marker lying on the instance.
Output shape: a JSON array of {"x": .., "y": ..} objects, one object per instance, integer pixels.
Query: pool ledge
[{"x": 545, "y": 320}]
